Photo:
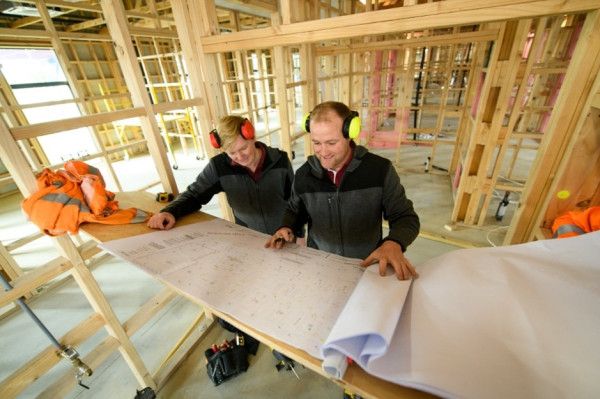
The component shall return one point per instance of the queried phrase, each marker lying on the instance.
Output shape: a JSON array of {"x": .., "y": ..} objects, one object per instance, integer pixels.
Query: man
[{"x": 343, "y": 192}]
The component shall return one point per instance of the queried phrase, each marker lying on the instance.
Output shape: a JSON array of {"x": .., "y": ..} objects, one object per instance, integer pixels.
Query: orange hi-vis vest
[
  {"x": 74, "y": 195},
  {"x": 575, "y": 223}
]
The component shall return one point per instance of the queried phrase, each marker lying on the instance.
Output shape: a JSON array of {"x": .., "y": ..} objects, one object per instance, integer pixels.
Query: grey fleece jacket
[
  {"x": 347, "y": 221},
  {"x": 256, "y": 205}
]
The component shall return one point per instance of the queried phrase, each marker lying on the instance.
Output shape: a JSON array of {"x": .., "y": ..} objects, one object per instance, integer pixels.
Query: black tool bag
[
  {"x": 146, "y": 393},
  {"x": 250, "y": 344},
  {"x": 226, "y": 363}
]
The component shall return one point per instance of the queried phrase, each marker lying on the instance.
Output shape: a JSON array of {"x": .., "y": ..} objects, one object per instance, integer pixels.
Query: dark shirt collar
[{"x": 336, "y": 177}]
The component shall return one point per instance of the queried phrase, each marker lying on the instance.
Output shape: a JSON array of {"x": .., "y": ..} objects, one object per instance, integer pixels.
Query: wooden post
[
  {"x": 559, "y": 139},
  {"x": 194, "y": 20},
  {"x": 119, "y": 31},
  {"x": 281, "y": 90},
  {"x": 499, "y": 76},
  {"x": 26, "y": 181}
]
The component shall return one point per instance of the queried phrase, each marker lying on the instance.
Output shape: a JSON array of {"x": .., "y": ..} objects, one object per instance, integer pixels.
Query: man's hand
[
  {"x": 390, "y": 253},
  {"x": 280, "y": 237},
  {"x": 162, "y": 221}
]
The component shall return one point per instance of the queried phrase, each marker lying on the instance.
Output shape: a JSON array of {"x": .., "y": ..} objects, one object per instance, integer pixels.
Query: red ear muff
[
  {"x": 247, "y": 129},
  {"x": 215, "y": 140}
]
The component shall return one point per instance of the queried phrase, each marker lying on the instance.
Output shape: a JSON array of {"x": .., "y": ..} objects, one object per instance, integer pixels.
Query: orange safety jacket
[
  {"x": 74, "y": 195},
  {"x": 575, "y": 223}
]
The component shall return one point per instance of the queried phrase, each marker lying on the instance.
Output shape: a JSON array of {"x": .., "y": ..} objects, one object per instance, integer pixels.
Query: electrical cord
[{"x": 487, "y": 236}]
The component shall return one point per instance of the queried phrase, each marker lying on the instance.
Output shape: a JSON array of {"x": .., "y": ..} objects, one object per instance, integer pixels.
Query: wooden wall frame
[{"x": 351, "y": 37}]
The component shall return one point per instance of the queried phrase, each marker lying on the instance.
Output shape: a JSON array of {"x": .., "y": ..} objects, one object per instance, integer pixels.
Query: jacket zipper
[
  {"x": 332, "y": 216},
  {"x": 337, "y": 193},
  {"x": 330, "y": 212},
  {"x": 262, "y": 213}
]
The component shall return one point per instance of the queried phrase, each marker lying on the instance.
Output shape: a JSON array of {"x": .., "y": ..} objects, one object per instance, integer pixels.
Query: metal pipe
[{"x": 27, "y": 310}]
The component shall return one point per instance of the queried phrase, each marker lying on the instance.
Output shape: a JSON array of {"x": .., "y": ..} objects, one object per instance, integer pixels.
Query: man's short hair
[
  {"x": 351, "y": 125},
  {"x": 320, "y": 112}
]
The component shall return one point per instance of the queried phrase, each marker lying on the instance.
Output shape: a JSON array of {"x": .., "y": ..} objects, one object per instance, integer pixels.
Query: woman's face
[{"x": 244, "y": 152}]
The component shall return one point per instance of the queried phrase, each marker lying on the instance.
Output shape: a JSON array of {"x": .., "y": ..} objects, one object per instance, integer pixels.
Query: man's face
[
  {"x": 244, "y": 152},
  {"x": 329, "y": 144}
]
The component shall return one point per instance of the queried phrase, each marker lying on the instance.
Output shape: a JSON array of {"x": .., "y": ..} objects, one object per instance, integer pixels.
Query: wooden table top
[{"x": 355, "y": 378}]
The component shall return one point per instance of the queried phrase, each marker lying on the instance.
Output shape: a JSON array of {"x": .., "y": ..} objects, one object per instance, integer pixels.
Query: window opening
[{"x": 37, "y": 81}]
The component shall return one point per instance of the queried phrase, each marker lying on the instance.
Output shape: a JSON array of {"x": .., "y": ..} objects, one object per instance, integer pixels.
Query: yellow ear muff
[
  {"x": 354, "y": 128},
  {"x": 306, "y": 123},
  {"x": 351, "y": 126}
]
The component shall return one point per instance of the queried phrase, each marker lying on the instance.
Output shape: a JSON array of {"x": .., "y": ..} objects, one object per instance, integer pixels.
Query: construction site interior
[{"x": 489, "y": 110}]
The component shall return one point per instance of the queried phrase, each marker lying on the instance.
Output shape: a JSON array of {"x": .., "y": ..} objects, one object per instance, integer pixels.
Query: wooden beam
[
  {"x": 90, "y": 288},
  {"x": 188, "y": 342},
  {"x": 438, "y": 40},
  {"x": 164, "y": 33},
  {"x": 119, "y": 31},
  {"x": 281, "y": 91},
  {"x": 263, "y": 8},
  {"x": 195, "y": 20},
  {"x": 31, "y": 371},
  {"x": 63, "y": 385},
  {"x": 9, "y": 267},
  {"x": 504, "y": 80},
  {"x": 33, "y": 279},
  {"x": 69, "y": 70},
  {"x": 15, "y": 162},
  {"x": 75, "y": 5},
  {"x": 570, "y": 112},
  {"x": 24, "y": 33},
  {"x": 45, "y": 128},
  {"x": 402, "y": 19}
]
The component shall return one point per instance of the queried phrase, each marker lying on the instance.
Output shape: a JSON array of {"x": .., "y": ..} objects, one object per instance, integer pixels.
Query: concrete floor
[{"x": 127, "y": 289}]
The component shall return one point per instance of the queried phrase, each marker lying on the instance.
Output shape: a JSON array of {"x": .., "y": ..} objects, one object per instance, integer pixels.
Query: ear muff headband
[
  {"x": 350, "y": 128},
  {"x": 246, "y": 131}
]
